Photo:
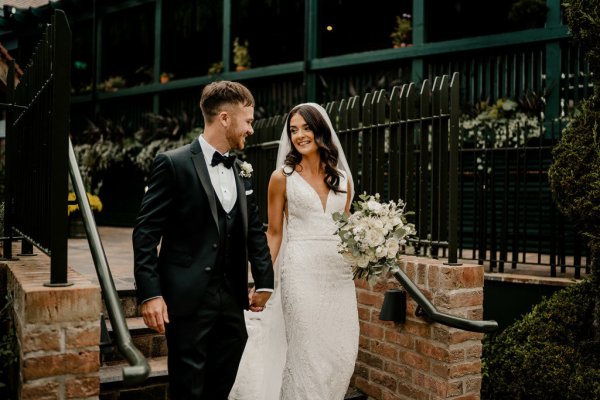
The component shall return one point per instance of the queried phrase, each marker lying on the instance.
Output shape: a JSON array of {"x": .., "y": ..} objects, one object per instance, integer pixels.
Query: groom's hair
[{"x": 217, "y": 94}]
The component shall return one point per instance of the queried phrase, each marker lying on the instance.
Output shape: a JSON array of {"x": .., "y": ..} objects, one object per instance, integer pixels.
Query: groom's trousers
[{"x": 205, "y": 349}]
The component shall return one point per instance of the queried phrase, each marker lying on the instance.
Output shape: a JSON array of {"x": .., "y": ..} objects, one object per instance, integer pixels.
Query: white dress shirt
[{"x": 221, "y": 177}]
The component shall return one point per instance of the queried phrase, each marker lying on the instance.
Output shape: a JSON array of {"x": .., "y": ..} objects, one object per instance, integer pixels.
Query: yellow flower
[{"x": 94, "y": 200}]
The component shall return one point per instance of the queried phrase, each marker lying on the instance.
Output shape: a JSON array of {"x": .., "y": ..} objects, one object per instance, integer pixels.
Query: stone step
[
  {"x": 156, "y": 386},
  {"x": 149, "y": 342},
  {"x": 129, "y": 303}
]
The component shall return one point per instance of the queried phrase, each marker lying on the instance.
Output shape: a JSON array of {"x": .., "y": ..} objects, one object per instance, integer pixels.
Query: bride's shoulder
[{"x": 279, "y": 176}]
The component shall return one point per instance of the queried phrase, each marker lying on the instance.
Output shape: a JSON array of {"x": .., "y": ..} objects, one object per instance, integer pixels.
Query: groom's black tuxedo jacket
[{"x": 180, "y": 208}]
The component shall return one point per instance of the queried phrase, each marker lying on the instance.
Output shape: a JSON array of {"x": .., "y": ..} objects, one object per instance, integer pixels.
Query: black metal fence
[
  {"x": 507, "y": 214},
  {"x": 37, "y": 149},
  {"x": 401, "y": 145}
]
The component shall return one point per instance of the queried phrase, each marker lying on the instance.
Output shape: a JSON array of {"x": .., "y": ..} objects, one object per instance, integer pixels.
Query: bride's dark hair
[{"x": 328, "y": 152}]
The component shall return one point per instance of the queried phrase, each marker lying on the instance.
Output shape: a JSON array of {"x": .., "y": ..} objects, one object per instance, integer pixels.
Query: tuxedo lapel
[
  {"x": 241, "y": 196},
  {"x": 202, "y": 171}
]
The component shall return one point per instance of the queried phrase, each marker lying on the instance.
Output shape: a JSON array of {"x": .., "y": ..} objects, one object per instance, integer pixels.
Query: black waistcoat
[{"x": 230, "y": 240}]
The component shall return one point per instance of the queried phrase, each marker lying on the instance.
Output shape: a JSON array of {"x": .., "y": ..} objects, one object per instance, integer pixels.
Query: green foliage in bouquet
[{"x": 374, "y": 236}]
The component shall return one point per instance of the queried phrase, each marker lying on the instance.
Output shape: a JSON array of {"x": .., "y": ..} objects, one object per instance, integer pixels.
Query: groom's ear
[{"x": 223, "y": 118}]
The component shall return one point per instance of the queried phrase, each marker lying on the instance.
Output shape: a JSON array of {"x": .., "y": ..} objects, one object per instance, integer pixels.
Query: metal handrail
[
  {"x": 138, "y": 369},
  {"x": 432, "y": 313}
]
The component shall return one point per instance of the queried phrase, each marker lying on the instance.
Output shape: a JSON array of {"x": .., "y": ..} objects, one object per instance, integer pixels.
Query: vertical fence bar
[
  {"x": 9, "y": 151},
  {"x": 432, "y": 109},
  {"x": 424, "y": 175},
  {"x": 395, "y": 174},
  {"x": 453, "y": 168},
  {"x": 61, "y": 95},
  {"x": 355, "y": 138},
  {"x": 368, "y": 140},
  {"x": 411, "y": 175},
  {"x": 444, "y": 155},
  {"x": 380, "y": 164}
]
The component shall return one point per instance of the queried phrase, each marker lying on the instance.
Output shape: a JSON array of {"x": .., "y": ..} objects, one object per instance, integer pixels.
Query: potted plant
[
  {"x": 165, "y": 77},
  {"x": 241, "y": 56},
  {"x": 401, "y": 36},
  {"x": 113, "y": 84},
  {"x": 76, "y": 228},
  {"x": 216, "y": 68}
]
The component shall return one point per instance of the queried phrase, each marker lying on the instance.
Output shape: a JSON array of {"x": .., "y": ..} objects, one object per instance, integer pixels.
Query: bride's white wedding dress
[{"x": 317, "y": 297}]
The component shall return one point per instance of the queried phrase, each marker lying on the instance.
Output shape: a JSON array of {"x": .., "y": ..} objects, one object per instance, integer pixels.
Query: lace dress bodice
[{"x": 306, "y": 217}]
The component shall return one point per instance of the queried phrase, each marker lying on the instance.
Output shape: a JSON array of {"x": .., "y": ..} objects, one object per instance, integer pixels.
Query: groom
[{"x": 200, "y": 207}]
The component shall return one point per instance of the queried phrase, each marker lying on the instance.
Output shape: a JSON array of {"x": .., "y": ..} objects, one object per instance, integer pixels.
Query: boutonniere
[{"x": 246, "y": 170}]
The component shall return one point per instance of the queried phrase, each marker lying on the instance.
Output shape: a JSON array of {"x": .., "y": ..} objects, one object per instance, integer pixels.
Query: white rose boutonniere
[{"x": 246, "y": 170}]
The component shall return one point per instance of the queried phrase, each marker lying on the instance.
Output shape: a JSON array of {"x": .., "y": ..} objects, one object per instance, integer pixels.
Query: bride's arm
[
  {"x": 276, "y": 208},
  {"x": 349, "y": 199}
]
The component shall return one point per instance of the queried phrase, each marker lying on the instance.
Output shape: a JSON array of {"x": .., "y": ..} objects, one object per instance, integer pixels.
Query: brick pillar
[
  {"x": 417, "y": 359},
  {"x": 58, "y": 332}
]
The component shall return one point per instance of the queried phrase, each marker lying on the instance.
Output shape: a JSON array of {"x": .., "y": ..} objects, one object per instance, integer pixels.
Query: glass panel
[
  {"x": 350, "y": 26},
  {"x": 81, "y": 69},
  {"x": 192, "y": 37},
  {"x": 128, "y": 48},
  {"x": 274, "y": 30},
  {"x": 447, "y": 20}
]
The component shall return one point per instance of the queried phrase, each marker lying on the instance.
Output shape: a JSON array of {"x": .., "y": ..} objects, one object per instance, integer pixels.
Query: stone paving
[{"x": 119, "y": 253}]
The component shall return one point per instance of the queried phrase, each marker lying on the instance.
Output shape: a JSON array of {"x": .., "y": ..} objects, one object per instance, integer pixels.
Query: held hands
[
  {"x": 155, "y": 314},
  {"x": 258, "y": 300}
]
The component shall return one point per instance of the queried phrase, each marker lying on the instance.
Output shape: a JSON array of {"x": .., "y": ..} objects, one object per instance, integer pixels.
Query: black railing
[
  {"x": 427, "y": 310},
  {"x": 36, "y": 149},
  {"x": 138, "y": 369},
  {"x": 39, "y": 160},
  {"x": 401, "y": 145}
]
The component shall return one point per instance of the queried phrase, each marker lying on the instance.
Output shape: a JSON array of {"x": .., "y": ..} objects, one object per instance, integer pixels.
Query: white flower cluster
[
  {"x": 246, "y": 170},
  {"x": 372, "y": 237},
  {"x": 500, "y": 126}
]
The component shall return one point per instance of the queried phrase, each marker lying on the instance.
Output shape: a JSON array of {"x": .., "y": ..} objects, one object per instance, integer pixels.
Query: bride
[{"x": 304, "y": 345}]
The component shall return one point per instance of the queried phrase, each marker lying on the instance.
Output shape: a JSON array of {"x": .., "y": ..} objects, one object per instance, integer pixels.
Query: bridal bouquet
[{"x": 373, "y": 235}]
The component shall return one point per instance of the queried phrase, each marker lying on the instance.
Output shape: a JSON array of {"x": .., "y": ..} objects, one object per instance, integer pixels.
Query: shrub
[{"x": 549, "y": 354}]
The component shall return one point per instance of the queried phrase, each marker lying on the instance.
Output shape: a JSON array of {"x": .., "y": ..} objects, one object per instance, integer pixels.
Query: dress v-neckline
[{"x": 323, "y": 206}]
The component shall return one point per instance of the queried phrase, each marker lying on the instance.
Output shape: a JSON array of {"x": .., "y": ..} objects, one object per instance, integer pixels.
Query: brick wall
[
  {"x": 58, "y": 332},
  {"x": 417, "y": 359}
]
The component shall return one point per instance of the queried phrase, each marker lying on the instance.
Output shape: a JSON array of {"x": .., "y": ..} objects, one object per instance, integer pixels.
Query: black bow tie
[{"x": 219, "y": 158}]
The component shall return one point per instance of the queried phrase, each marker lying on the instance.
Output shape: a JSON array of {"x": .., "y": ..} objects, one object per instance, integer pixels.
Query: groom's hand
[
  {"x": 155, "y": 314},
  {"x": 259, "y": 299}
]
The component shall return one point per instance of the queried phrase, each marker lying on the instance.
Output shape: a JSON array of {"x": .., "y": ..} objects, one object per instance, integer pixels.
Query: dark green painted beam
[
  {"x": 311, "y": 41},
  {"x": 253, "y": 73},
  {"x": 418, "y": 38},
  {"x": 226, "y": 51},
  {"x": 450, "y": 46},
  {"x": 553, "y": 65}
]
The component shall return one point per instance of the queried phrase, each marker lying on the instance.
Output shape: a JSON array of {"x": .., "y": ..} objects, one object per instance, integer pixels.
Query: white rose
[
  {"x": 374, "y": 237},
  {"x": 374, "y": 206},
  {"x": 381, "y": 251},
  {"x": 375, "y": 223},
  {"x": 363, "y": 261},
  {"x": 392, "y": 248}
]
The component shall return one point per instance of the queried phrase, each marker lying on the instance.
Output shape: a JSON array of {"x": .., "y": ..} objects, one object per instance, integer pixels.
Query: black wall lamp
[{"x": 394, "y": 306}]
